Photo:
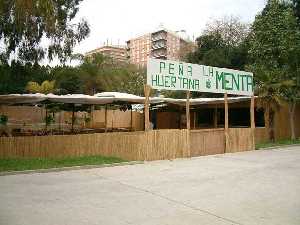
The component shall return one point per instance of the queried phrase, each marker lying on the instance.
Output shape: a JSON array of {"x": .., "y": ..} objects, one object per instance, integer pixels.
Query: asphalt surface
[{"x": 257, "y": 187}]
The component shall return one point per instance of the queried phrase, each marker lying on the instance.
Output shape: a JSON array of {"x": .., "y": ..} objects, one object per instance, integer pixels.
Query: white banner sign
[{"x": 173, "y": 75}]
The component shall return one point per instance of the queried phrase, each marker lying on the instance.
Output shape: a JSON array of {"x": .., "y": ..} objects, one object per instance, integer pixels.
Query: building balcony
[
  {"x": 158, "y": 38},
  {"x": 159, "y": 55},
  {"x": 159, "y": 46}
]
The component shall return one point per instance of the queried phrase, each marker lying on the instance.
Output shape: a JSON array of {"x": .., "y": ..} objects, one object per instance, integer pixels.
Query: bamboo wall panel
[
  {"x": 36, "y": 115},
  {"x": 297, "y": 120},
  {"x": 152, "y": 145},
  {"x": 167, "y": 120},
  {"x": 260, "y": 135},
  {"x": 240, "y": 139},
  {"x": 23, "y": 114},
  {"x": 207, "y": 142}
]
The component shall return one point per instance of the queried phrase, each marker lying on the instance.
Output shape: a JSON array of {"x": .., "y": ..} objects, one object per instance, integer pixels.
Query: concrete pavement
[{"x": 257, "y": 187}]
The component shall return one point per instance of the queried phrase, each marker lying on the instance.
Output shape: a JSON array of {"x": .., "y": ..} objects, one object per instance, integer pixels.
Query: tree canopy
[
  {"x": 274, "y": 55},
  {"x": 25, "y": 24},
  {"x": 222, "y": 44}
]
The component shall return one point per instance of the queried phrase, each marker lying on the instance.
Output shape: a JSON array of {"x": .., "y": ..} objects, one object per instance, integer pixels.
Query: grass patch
[
  {"x": 277, "y": 143},
  {"x": 39, "y": 163}
]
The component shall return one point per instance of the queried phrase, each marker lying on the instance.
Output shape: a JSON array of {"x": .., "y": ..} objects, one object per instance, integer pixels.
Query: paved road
[{"x": 259, "y": 187}]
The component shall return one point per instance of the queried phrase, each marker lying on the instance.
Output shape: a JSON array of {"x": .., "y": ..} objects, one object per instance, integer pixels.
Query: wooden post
[
  {"x": 188, "y": 122},
  {"x": 59, "y": 123},
  {"x": 226, "y": 130},
  {"x": 195, "y": 119},
  {"x": 73, "y": 118},
  {"x": 267, "y": 122},
  {"x": 147, "y": 90},
  {"x": 105, "y": 118},
  {"x": 92, "y": 116},
  {"x": 131, "y": 121},
  {"x": 112, "y": 120},
  {"x": 216, "y": 117},
  {"x": 187, "y": 110},
  {"x": 252, "y": 118}
]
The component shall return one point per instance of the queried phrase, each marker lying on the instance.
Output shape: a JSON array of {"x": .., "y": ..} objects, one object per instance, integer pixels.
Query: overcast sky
[{"x": 120, "y": 20}]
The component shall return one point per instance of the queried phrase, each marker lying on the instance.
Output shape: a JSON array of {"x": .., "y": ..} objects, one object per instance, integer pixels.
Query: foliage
[
  {"x": 3, "y": 119},
  {"x": 296, "y": 7},
  {"x": 49, "y": 119},
  {"x": 25, "y": 24},
  {"x": 223, "y": 44},
  {"x": 46, "y": 87},
  {"x": 232, "y": 31},
  {"x": 275, "y": 59},
  {"x": 68, "y": 80},
  {"x": 99, "y": 73},
  {"x": 14, "y": 77},
  {"x": 275, "y": 56}
]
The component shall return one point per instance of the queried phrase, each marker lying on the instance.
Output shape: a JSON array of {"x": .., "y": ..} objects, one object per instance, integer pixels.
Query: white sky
[{"x": 120, "y": 20}]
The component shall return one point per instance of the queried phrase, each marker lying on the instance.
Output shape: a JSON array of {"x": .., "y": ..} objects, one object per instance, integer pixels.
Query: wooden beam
[
  {"x": 112, "y": 120},
  {"x": 105, "y": 118},
  {"x": 216, "y": 117},
  {"x": 267, "y": 122},
  {"x": 187, "y": 110},
  {"x": 252, "y": 119},
  {"x": 73, "y": 118},
  {"x": 147, "y": 90},
  {"x": 131, "y": 120},
  {"x": 195, "y": 114},
  {"x": 226, "y": 127},
  {"x": 92, "y": 116}
]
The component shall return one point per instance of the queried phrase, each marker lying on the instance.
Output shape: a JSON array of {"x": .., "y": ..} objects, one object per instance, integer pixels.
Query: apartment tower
[{"x": 161, "y": 44}]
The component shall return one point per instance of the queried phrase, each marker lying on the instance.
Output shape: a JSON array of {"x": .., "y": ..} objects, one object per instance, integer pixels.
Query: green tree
[
  {"x": 222, "y": 44},
  {"x": 68, "y": 80},
  {"x": 24, "y": 24},
  {"x": 92, "y": 72},
  {"x": 275, "y": 53},
  {"x": 14, "y": 77},
  {"x": 46, "y": 87}
]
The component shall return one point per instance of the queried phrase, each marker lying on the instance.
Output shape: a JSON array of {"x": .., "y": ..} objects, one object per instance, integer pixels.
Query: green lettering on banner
[
  {"x": 219, "y": 77},
  {"x": 162, "y": 65},
  {"x": 191, "y": 84},
  {"x": 236, "y": 82},
  {"x": 197, "y": 84},
  {"x": 249, "y": 83},
  {"x": 227, "y": 81},
  {"x": 190, "y": 70},
  {"x": 154, "y": 81},
  {"x": 171, "y": 75},
  {"x": 185, "y": 83},
  {"x": 166, "y": 83},
  {"x": 160, "y": 81},
  {"x": 180, "y": 81},
  {"x": 180, "y": 67},
  {"x": 171, "y": 68},
  {"x": 173, "y": 81},
  {"x": 211, "y": 71},
  {"x": 242, "y": 78}
]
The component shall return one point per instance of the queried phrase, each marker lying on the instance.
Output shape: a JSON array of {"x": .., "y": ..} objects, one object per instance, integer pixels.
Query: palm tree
[
  {"x": 291, "y": 94},
  {"x": 267, "y": 87}
]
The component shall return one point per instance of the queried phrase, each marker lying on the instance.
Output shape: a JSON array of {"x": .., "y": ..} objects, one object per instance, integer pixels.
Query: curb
[
  {"x": 61, "y": 169},
  {"x": 278, "y": 146}
]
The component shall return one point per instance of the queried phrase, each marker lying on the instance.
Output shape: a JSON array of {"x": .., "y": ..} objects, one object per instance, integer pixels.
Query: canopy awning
[{"x": 108, "y": 98}]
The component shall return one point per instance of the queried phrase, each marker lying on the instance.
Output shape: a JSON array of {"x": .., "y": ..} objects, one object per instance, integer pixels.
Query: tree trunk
[{"x": 292, "y": 107}]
